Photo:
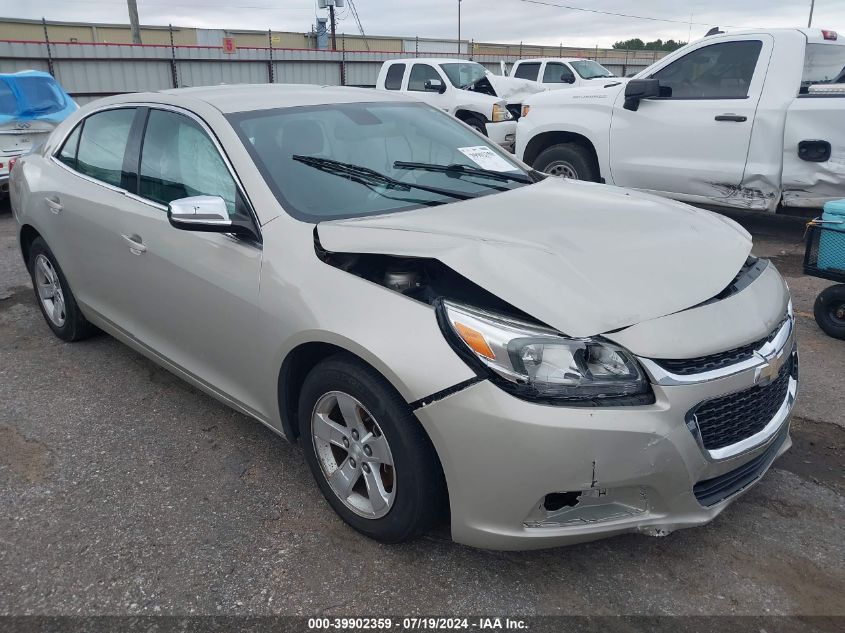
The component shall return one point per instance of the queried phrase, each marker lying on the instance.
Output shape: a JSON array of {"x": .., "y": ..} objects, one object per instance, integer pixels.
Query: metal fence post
[
  {"x": 49, "y": 52},
  {"x": 173, "y": 71},
  {"x": 343, "y": 60},
  {"x": 417, "y": 46},
  {"x": 270, "y": 71}
]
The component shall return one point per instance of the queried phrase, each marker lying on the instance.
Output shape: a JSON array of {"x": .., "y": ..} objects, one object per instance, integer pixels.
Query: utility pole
[
  {"x": 334, "y": 37},
  {"x": 133, "y": 21},
  {"x": 812, "y": 6},
  {"x": 459, "y": 27}
]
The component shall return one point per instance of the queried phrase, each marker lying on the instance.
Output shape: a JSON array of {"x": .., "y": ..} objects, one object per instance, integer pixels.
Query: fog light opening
[{"x": 556, "y": 500}]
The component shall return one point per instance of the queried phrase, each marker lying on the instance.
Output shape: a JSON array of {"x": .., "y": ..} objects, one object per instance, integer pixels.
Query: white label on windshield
[{"x": 486, "y": 158}]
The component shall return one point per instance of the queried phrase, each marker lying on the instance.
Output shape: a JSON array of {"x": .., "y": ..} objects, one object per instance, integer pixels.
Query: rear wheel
[
  {"x": 371, "y": 458},
  {"x": 567, "y": 160},
  {"x": 54, "y": 295},
  {"x": 829, "y": 311}
]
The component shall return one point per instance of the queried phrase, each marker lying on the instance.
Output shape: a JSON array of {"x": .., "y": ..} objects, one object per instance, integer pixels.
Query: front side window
[
  {"x": 357, "y": 159},
  {"x": 719, "y": 71},
  {"x": 102, "y": 145},
  {"x": 179, "y": 160},
  {"x": 530, "y": 70},
  {"x": 420, "y": 73},
  {"x": 823, "y": 64},
  {"x": 556, "y": 73},
  {"x": 393, "y": 80}
]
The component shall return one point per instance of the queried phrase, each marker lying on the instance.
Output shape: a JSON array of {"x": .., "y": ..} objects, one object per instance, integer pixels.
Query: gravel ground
[{"x": 125, "y": 491}]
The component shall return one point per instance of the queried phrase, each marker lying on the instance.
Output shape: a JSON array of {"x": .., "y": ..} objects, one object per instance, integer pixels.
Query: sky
[{"x": 509, "y": 21}]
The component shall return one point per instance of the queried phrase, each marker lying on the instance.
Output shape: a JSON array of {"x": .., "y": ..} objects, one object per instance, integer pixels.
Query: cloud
[{"x": 509, "y": 21}]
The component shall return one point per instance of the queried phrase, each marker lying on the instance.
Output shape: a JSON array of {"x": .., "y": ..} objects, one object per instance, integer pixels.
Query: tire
[
  {"x": 54, "y": 296},
  {"x": 415, "y": 479},
  {"x": 568, "y": 160},
  {"x": 829, "y": 311},
  {"x": 476, "y": 123}
]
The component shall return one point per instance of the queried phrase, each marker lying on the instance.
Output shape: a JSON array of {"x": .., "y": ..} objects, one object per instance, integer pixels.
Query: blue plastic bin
[{"x": 832, "y": 239}]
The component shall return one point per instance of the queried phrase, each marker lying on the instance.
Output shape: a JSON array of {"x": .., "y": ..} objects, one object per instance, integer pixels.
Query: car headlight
[
  {"x": 538, "y": 363},
  {"x": 500, "y": 113}
]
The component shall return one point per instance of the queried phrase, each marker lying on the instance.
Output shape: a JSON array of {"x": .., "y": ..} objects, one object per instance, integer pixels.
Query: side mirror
[
  {"x": 434, "y": 85},
  {"x": 567, "y": 79},
  {"x": 638, "y": 89},
  {"x": 208, "y": 214}
]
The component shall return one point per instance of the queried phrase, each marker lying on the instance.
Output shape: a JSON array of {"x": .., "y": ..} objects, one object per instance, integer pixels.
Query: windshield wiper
[
  {"x": 458, "y": 169},
  {"x": 370, "y": 177}
]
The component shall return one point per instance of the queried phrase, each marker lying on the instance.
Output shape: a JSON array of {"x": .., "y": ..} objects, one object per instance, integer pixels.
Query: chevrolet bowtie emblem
[{"x": 770, "y": 371}]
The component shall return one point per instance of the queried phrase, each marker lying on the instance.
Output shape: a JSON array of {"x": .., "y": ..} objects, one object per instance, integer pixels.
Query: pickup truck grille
[{"x": 736, "y": 416}]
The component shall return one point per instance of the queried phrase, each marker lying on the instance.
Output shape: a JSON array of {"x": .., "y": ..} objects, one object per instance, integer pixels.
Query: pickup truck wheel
[
  {"x": 371, "y": 458},
  {"x": 567, "y": 160},
  {"x": 476, "y": 124},
  {"x": 829, "y": 311}
]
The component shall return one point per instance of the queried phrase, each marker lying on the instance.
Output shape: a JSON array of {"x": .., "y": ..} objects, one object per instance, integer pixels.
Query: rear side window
[
  {"x": 68, "y": 152},
  {"x": 179, "y": 160},
  {"x": 102, "y": 145},
  {"x": 556, "y": 73},
  {"x": 823, "y": 64},
  {"x": 393, "y": 80},
  {"x": 719, "y": 71},
  {"x": 530, "y": 71}
]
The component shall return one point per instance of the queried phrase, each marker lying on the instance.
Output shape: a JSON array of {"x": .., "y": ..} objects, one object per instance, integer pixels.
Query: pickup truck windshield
[
  {"x": 823, "y": 64},
  {"x": 464, "y": 75},
  {"x": 356, "y": 159},
  {"x": 588, "y": 69}
]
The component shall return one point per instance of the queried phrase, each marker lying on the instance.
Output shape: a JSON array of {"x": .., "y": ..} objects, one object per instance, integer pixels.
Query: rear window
[
  {"x": 41, "y": 95},
  {"x": 527, "y": 71},
  {"x": 393, "y": 81},
  {"x": 823, "y": 64}
]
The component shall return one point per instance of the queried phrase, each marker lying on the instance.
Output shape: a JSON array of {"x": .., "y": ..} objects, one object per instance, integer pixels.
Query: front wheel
[
  {"x": 371, "y": 458},
  {"x": 829, "y": 311},
  {"x": 477, "y": 124},
  {"x": 567, "y": 160}
]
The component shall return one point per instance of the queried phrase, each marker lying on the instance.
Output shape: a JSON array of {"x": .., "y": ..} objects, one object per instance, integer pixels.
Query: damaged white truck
[{"x": 748, "y": 120}]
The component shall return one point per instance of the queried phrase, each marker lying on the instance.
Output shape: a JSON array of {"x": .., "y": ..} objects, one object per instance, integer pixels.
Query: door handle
[
  {"x": 732, "y": 117},
  {"x": 54, "y": 204},
  {"x": 136, "y": 245}
]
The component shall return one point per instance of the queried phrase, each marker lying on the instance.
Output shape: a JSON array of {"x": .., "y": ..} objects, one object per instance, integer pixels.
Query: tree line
[{"x": 636, "y": 44}]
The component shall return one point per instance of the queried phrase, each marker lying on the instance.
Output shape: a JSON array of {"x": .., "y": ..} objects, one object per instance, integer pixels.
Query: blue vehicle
[{"x": 32, "y": 103}]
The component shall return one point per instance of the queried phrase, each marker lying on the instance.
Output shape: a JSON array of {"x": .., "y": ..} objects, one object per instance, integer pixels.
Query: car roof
[
  {"x": 248, "y": 97},
  {"x": 432, "y": 60},
  {"x": 551, "y": 59}
]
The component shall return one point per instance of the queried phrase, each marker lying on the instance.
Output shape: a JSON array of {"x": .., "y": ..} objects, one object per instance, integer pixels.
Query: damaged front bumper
[
  {"x": 503, "y": 134},
  {"x": 523, "y": 475}
]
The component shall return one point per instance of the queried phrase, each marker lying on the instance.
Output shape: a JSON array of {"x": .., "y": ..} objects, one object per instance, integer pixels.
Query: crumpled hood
[
  {"x": 512, "y": 89},
  {"x": 580, "y": 257}
]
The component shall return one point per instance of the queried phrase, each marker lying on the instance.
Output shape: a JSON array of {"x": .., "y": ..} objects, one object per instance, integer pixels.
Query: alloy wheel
[
  {"x": 354, "y": 454},
  {"x": 562, "y": 169},
  {"x": 50, "y": 291}
]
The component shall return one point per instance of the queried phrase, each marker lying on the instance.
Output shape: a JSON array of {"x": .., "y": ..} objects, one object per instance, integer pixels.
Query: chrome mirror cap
[{"x": 196, "y": 211}]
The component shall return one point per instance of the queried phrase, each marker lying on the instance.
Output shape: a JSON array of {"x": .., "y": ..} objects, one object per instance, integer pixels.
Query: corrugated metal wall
[{"x": 88, "y": 71}]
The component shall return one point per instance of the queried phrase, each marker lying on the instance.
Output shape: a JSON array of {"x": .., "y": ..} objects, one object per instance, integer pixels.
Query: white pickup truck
[
  {"x": 555, "y": 73},
  {"x": 486, "y": 102},
  {"x": 750, "y": 119}
]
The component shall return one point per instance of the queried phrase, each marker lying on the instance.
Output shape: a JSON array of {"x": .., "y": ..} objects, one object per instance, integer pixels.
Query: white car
[
  {"x": 441, "y": 329},
  {"x": 555, "y": 73}
]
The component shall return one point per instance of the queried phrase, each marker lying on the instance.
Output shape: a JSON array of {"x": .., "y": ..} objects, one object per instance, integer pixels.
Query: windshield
[
  {"x": 356, "y": 159},
  {"x": 588, "y": 69},
  {"x": 463, "y": 75},
  {"x": 823, "y": 64}
]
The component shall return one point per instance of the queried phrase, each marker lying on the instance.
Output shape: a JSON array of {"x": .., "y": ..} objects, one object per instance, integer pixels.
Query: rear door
[
  {"x": 84, "y": 190},
  {"x": 193, "y": 295},
  {"x": 692, "y": 144}
]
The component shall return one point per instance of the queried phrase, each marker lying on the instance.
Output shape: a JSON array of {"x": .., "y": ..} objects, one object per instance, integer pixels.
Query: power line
[
  {"x": 621, "y": 15},
  {"x": 358, "y": 21}
]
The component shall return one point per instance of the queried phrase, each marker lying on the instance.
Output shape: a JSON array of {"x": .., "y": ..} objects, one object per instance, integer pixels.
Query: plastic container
[{"x": 832, "y": 238}]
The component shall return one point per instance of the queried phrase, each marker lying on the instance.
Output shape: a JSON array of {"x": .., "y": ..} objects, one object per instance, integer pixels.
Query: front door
[
  {"x": 194, "y": 294},
  {"x": 692, "y": 144}
]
